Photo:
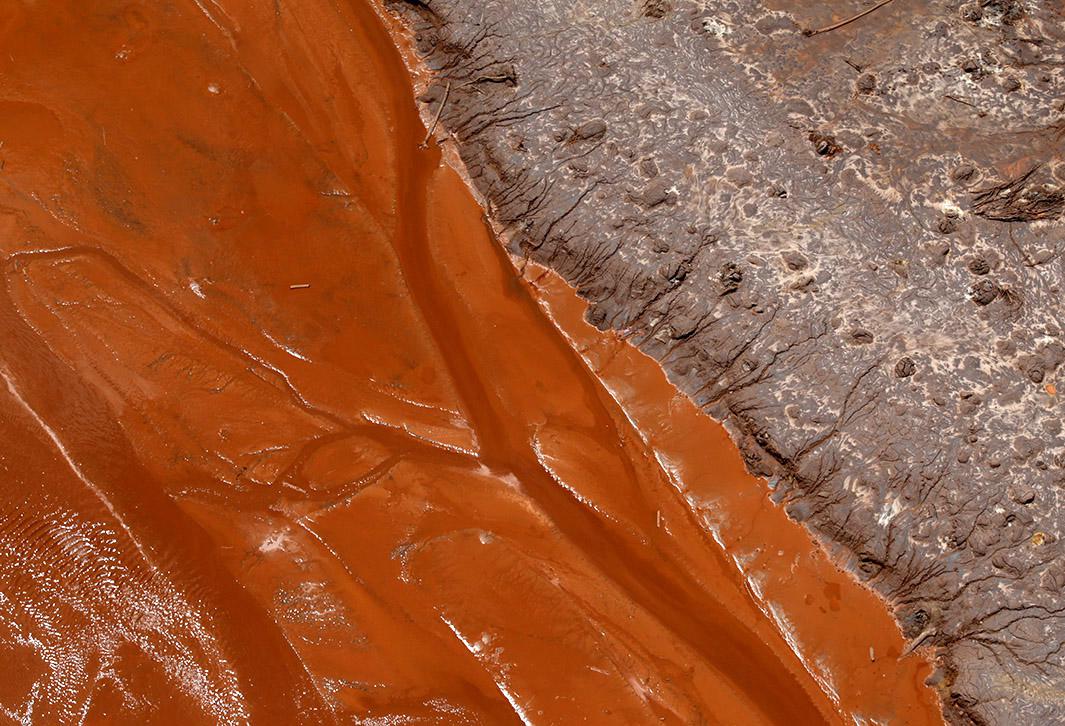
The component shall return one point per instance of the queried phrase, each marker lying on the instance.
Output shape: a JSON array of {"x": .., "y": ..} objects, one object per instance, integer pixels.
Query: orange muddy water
[{"x": 286, "y": 438}]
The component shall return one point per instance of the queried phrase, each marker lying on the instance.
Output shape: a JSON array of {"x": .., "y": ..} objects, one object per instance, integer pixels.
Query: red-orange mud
[{"x": 287, "y": 439}]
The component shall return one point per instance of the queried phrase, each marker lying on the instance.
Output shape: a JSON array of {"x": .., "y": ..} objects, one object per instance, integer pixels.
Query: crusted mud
[{"x": 839, "y": 232}]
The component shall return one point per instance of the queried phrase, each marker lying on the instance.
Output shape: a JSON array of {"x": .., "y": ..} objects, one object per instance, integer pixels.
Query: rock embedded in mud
[
  {"x": 905, "y": 367},
  {"x": 979, "y": 266},
  {"x": 866, "y": 83},
  {"x": 794, "y": 261},
  {"x": 656, "y": 193},
  {"x": 862, "y": 336},
  {"x": 590, "y": 130},
  {"x": 730, "y": 277},
  {"x": 984, "y": 292},
  {"x": 824, "y": 144}
]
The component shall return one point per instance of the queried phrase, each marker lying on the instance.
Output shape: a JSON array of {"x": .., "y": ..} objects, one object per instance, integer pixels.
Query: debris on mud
[{"x": 1022, "y": 199}]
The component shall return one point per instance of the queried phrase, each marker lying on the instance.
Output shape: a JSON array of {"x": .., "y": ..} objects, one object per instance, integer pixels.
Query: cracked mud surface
[{"x": 844, "y": 244}]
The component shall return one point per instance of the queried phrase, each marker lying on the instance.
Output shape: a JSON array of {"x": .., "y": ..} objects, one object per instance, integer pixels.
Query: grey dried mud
[{"x": 846, "y": 244}]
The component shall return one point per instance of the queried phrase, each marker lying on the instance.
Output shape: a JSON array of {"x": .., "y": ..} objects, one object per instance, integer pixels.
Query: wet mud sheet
[{"x": 286, "y": 436}]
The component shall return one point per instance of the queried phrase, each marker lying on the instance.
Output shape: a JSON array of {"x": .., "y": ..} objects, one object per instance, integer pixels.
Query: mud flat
[
  {"x": 838, "y": 229},
  {"x": 289, "y": 438}
]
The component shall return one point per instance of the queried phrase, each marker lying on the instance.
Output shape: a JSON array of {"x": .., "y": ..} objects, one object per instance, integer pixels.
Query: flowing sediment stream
[{"x": 289, "y": 438}]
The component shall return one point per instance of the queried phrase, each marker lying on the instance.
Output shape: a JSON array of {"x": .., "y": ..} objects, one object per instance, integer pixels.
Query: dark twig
[
  {"x": 962, "y": 101},
  {"x": 848, "y": 21},
  {"x": 436, "y": 119}
]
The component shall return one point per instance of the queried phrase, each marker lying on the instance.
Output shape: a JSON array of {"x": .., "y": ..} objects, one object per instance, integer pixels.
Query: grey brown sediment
[{"x": 846, "y": 245}]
